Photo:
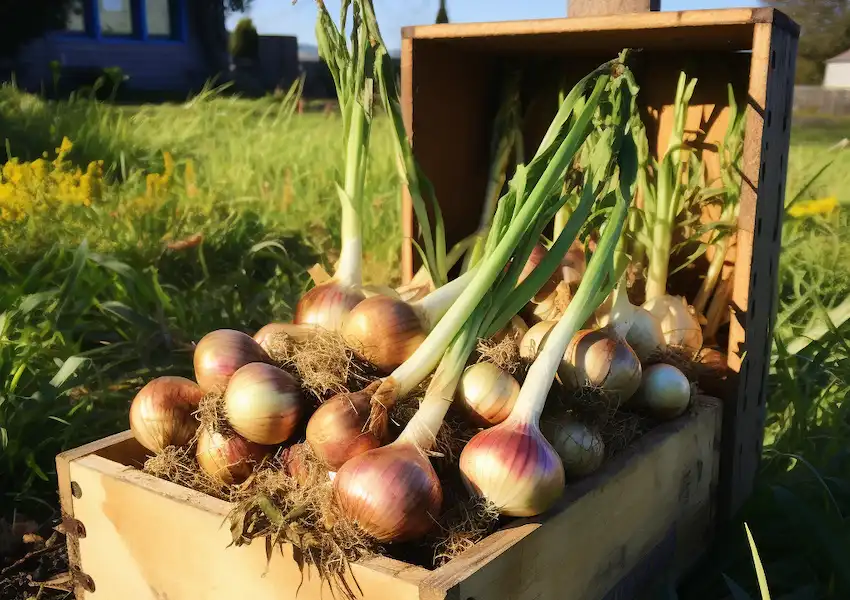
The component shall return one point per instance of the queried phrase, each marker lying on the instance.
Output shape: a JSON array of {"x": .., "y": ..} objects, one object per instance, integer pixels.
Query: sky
[{"x": 282, "y": 17}]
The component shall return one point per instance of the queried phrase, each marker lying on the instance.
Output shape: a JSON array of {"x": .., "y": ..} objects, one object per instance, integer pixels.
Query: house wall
[
  {"x": 278, "y": 60},
  {"x": 167, "y": 66},
  {"x": 837, "y": 75}
]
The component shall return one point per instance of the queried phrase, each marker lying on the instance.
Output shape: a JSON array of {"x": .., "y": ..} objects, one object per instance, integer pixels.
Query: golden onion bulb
[
  {"x": 514, "y": 467},
  {"x": 487, "y": 393},
  {"x": 581, "y": 449},
  {"x": 384, "y": 331},
  {"x": 337, "y": 430},
  {"x": 534, "y": 339},
  {"x": 221, "y": 353},
  {"x": 263, "y": 404},
  {"x": 162, "y": 413},
  {"x": 594, "y": 358},
  {"x": 678, "y": 321},
  {"x": 327, "y": 305},
  {"x": 392, "y": 492},
  {"x": 227, "y": 457}
]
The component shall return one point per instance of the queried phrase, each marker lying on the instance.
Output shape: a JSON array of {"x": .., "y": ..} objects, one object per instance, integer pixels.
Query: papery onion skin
[
  {"x": 392, "y": 492},
  {"x": 516, "y": 329},
  {"x": 162, "y": 413},
  {"x": 263, "y": 404},
  {"x": 534, "y": 339},
  {"x": 514, "y": 467},
  {"x": 582, "y": 450},
  {"x": 221, "y": 353},
  {"x": 327, "y": 305},
  {"x": 678, "y": 321},
  {"x": 665, "y": 391},
  {"x": 487, "y": 393},
  {"x": 227, "y": 457},
  {"x": 645, "y": 336},
  {"x": 300, "y": 333},
  {"x": 384, "y": 331},
  {"x": 597, "y": 359},
  {"x": 713, "y": 372},
  {"x": 337, "y": 430}
]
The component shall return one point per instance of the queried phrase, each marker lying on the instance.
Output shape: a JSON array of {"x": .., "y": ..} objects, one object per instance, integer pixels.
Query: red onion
[
  {"x": 228, "y": 458},
  {"x": 327, "y": 305},
  {"x": 162, "y": 413},
  {"x": 263, "y": 403},
  {"x": 221, "y": 353}
]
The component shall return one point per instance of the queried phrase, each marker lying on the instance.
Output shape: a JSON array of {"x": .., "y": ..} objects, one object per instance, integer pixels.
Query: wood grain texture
[
  {"x": 589, "y": 8},
  {"x": 148, "y": 539},
  {"x": 655, "y": 496},
  {"x": 765, "y": 165}
]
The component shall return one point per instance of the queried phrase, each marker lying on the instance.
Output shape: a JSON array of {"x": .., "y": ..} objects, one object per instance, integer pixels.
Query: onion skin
[
  {"x": 391, "y": 492},
  {"x": 263, "y": 404},
  {"x": 595, "y": 358},
  {"x": 665, "y": 391},
  {"x": 487, "y": 393},
  {"x": 534, "y": 339},
  {"x": 228, "y": 458},
  {"x": 221, "y": 353},
  {"x": 384, "y": 331},
  {"x": 337, "y": 430},
  {"x": 300, "y": 333},
  {"x": 713, "y": 374},
  {"x": 514, "y": 467},
  {"x": 327, "y": 305},
  {"x": 582, "y": 450},
  {"x": 645, "y": 336},
  {"x": 678, "y": 321},
  {"x": 516, "y": 329},
  {"x": 162, "y": 413}
]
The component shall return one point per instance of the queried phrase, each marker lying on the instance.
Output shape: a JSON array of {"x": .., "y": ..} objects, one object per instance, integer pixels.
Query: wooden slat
[
  {"x": 149, "y": 539},
  {"x": 588, "y": 8},
  {"x": 765, "y": 164},
  {"x": 654, "y": 501}
]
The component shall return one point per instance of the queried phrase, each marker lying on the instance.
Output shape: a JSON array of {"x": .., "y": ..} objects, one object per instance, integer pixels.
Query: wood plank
[
  {"x": 588, "y": 8},
  {"x": 149, "y": 539},
  {"x": 717, "y": 19},
  {"x": 765, "y": 164},
  {"x": 652, "y": 501}
]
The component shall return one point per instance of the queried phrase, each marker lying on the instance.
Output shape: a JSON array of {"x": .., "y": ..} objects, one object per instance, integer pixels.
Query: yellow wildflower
[{"x": 821, "y": 206}]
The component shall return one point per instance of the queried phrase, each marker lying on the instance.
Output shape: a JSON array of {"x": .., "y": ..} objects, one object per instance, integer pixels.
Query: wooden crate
[
  {"x": 132, "y": 536},
  {"x": 450, "y": 77}
]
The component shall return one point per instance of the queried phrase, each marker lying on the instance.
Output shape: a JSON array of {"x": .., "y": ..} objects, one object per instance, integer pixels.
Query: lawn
[{"x": 205, "y": 215}]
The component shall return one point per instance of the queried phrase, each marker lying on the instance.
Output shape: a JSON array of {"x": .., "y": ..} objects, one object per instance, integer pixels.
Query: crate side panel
[
  {"x": 765, "y": 165},
  {"x": 649, "y": 506},
  {"x": 143, "y": 543}
]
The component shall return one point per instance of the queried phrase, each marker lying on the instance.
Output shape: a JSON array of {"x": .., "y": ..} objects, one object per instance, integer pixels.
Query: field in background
[{"x": 206, "y": 217}]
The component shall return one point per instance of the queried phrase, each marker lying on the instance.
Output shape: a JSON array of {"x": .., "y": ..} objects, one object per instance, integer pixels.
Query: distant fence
[{"x": 825, "y": 101}]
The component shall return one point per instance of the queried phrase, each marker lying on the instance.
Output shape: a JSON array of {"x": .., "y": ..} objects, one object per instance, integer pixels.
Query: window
[
  {"x": 158, "y": 16},
  {"x": 116, "y": 17},
  {"x": 76, "y": 21}
]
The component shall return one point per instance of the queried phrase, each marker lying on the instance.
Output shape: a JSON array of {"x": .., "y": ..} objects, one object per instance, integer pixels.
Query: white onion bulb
[
  {"x": 487, "y": 393},
  {"x": 597, "y": 359},
  {"x": 581, "y": 449},
  {"x": 664, "y": 391},
  {"x": 678, "y": 321},
  {"x": 533, "y": 340},
  {"x": 645, "y": 336}
]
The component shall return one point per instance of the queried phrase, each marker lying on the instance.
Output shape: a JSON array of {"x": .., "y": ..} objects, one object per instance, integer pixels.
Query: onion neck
[
  {"x": 432, "y": 307},
  {"x": 622, "y": 312}
]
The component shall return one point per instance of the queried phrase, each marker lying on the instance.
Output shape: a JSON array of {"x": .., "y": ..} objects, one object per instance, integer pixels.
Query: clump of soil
[{"x": 33, "y": 563}]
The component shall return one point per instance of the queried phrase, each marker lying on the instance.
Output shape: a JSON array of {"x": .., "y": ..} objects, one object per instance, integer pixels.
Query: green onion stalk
[
  {"x": 353, "y": 71},
  {"x": 532, "y": 200}
]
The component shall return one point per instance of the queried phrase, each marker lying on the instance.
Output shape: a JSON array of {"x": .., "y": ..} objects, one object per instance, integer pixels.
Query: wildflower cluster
[
  {"x": 820, "y": 206},
  {"x": 42, "y": 186}
]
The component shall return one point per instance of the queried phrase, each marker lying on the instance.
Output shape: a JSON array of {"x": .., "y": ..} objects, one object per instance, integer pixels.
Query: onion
[
  {"x": 534, "y": 339},
  {"x": 664, "y": 391},
  {"x": 516, "y": 329},
  {"x": 300, "y": 333},
  {"x": 327, "y": 305},
  {"x": 263, "y": 404},
  {"x": 597, "y": 359},
  {"x": 487, "y": 393},
  {"x": 227, "y": 457},
  {"x": 645, "y": 335},
  {"x": 678, "y": 321},
  {"x": 392, "y": 492},
  {"x": 514, "y": 467},
  {"x": 162, "y": 413},
  {"x": 713, "y": 376},
  {"x": 221, "y": 353},
  {"x": 552, "y": 299},
  {"x": 337, "y": 430},
  {"x": 582, "y": 450}
]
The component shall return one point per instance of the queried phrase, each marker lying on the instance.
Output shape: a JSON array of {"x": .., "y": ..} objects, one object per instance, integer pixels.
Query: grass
[{"x": 211, "y": 211}]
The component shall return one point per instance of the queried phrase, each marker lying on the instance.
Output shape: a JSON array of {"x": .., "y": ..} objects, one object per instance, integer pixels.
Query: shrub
[{"x": 244, "y": 41}]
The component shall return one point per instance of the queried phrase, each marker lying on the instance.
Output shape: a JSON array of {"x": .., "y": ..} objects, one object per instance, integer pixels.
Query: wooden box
[
  {"x": 450, "y": 88},
  {"x": 132, "y": 536}
]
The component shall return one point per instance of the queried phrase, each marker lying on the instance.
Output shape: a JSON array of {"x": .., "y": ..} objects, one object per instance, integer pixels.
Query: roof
[{"x": 844, "y": 57}]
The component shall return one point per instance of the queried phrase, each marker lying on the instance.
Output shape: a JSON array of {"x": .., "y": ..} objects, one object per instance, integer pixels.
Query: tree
[
  {"x": 244, "y": 42},
  {"x": 442, "y": 14},
  {"x": 825, "y": 32}
]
